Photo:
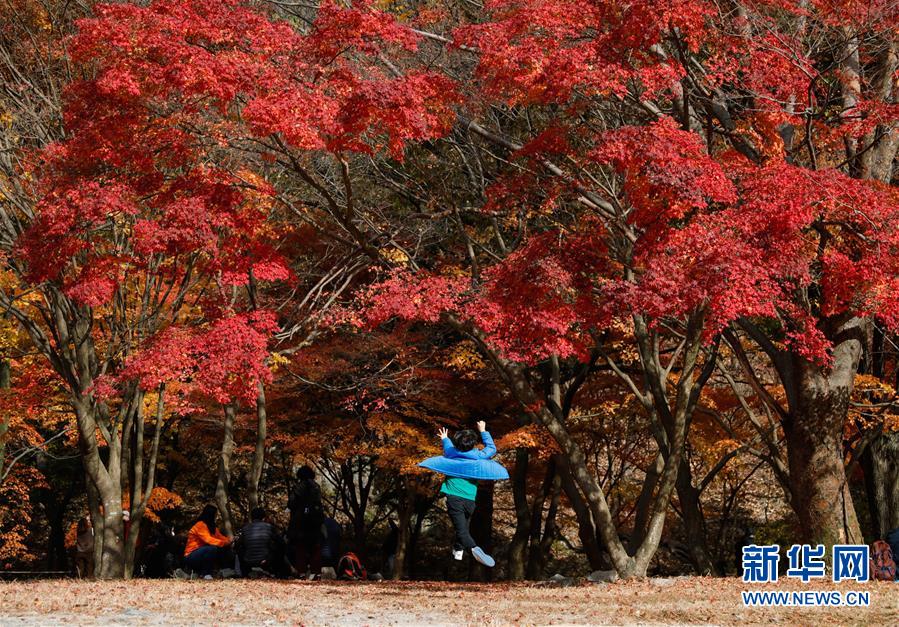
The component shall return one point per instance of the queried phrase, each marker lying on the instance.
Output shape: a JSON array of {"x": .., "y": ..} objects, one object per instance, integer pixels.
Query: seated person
[
  {"x": 260, "y": 545},
  {"x": 160, "y": 558},
  {"x": 207, "y": 548}
]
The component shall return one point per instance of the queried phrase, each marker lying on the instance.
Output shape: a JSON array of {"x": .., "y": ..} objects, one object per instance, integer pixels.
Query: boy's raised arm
[
  {"x": 489, "y": 449},
  {"x": 448, "y": 449}
]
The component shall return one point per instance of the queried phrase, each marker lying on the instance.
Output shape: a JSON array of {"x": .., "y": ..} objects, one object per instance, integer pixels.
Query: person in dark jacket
[
  {"x": 260, "y": 545},
  {"x": 330, "y": 542},
  {"x": 160, "y": 558},
  {"x": 388, "y": 549},
  {"x": 304, "y": 531}
]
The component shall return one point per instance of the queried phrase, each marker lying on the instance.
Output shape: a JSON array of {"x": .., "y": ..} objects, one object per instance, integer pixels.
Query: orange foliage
[
  {"x": 16, "y": 516},
  {"x": 160, "y": 500}
]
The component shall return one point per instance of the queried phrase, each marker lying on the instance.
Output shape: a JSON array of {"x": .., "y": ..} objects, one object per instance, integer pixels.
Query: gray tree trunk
[
  {"x": 819, "y": 402},
  {"x": 224, "y": 470},
  {"x": 881, "y": 465},
  {"x": 519, "y": 544},
  {"x": 259, "y": 451}
]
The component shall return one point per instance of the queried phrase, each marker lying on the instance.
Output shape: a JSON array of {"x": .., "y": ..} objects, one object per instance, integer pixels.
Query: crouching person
[
  {"x": 207, "y": 548},
  {"x": 261, "y": 546}
]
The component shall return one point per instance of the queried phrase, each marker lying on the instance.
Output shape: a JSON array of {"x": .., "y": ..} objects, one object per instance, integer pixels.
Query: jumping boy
[{"x": 460, "y": 492}]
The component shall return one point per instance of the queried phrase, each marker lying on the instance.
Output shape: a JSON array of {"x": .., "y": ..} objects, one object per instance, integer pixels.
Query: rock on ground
[{"x": 603, "y": 576}]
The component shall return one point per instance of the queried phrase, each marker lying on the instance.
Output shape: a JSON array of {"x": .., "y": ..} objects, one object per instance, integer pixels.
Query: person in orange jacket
[{"x": 206, "y": 547}]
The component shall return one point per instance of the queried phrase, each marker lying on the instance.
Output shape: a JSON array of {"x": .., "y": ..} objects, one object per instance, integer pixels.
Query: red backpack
[
  {"x": 883, "y": 566},
  {"x": 350, "y": 567}
]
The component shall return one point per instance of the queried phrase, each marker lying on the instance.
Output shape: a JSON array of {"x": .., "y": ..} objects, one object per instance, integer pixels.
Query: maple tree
[
  {"x": 132, "y": 244},
  {"x": 839, "y": 284},
  {"x": 740, "y": 191},
  {"x": 834, "y": 125}
]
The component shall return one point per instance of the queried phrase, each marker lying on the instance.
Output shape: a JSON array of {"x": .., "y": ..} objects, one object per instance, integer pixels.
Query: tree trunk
[
  {"x": 644, "y": 502},
  {"x": 881, "y": 465},
  {"x": 518, "y": 545},
  {"x": 586, "y": 529},
  {"x": 357, "y": 475},
  {"x": 694, "y": 521},
  {"x": 224, "y": 472},
  {"x": 538, "y": 555},
  {"x": 104, "y": 494},
  {"x": 259, "y": 452},
  {"x": 140, "y": 492},
  {"x": 404, "y": 515},
  {"x": 133, "y": 459},
  {"x": 112, "y": 559},
  {"x": 128, "y": 446},
  {"x": 93, "y": 509},
  {"x": 4, "y": 425},
  {"x": 819, "y": 401},
  {"x": 422, "y": 506},
  {"x": 482, "y": 530}
]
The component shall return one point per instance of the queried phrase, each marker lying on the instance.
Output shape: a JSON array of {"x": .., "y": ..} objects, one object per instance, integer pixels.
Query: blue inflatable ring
[{"x": 475, "y": 469}]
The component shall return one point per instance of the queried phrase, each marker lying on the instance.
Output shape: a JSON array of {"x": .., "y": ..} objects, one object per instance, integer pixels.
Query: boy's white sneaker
[
  {"x": 480, "y": 555},
  {"x": 457, "y": 555}
]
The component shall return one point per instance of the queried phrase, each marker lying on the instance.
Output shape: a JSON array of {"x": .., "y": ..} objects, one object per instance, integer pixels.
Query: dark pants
[
  {"x": 206, "y": 559},
  {"x": 308, "y": 555},
  {"x": 274, "y": 564},
  {"x": 84, "y": 564},
  {"x": 460, "y": 511}
]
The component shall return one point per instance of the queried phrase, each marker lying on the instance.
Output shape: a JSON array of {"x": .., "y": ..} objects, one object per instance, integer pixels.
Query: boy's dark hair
[
  {"x": 305, "y": 473},
  {"x": 258, "y": 513},
  {"x": 464, "y": 440}
]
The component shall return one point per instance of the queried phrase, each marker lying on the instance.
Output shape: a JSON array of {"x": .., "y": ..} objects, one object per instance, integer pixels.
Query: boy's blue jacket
[
  {"x": 487, "y": 452},
  {"x": 474, "y": 464}
]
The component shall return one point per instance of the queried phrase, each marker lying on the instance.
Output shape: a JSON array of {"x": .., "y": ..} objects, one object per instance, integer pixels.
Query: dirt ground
[{"x": 235, "y": 602}]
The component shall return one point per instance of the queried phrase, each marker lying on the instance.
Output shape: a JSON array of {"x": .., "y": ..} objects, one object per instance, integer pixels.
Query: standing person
[
  {"x": 461, "y": 492},
  {"x": 207, "y": 547},
  {"x": 388, "y": 549},
  {"x": 330, "y": 542},
  {"x": 84, "y": 548},
  {"x": 260, "y": 545},
  {"x": 304, "y": 530}
]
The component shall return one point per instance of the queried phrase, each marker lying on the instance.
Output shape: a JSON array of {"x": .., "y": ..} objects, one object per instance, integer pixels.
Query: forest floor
[{"x": 690, "y": 600}]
